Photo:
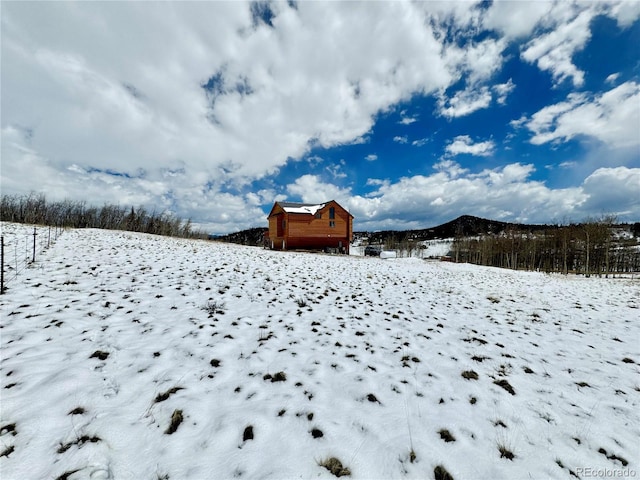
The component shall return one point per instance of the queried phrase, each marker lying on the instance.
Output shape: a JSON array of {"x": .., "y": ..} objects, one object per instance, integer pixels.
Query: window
[
  {"x": 332, "y": 224},
  {"x": 332, "y": 213},
  {"x": 318, "y": 215}
]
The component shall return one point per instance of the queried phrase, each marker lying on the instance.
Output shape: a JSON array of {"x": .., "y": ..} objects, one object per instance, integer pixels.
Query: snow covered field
[{"x": 126, "y": 356}]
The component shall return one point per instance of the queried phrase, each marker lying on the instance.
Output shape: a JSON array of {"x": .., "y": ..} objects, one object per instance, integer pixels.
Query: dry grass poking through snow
[{"x": 127, "y": 356}]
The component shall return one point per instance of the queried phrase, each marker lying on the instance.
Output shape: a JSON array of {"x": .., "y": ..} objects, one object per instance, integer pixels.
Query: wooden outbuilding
[{"x": 317, "y": 226}]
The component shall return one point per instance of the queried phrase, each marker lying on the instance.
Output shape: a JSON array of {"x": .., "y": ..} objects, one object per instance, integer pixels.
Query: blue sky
[{"x": 407, "y": 113}]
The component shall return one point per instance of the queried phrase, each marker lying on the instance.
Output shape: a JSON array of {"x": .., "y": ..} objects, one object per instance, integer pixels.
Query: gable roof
[
  {"x": 303, "y": 208},
  {"x": 310, "y": 208}
]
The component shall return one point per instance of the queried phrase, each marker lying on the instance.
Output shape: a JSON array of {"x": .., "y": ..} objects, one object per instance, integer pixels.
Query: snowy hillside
[{"x": 126, "y": 356}]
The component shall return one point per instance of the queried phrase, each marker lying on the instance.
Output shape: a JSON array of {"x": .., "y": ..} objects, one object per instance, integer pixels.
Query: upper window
[
  {"x": 332, "y": 223},
  {"x": 318, "y": 215},
  {"x": 332, "y": 213}
]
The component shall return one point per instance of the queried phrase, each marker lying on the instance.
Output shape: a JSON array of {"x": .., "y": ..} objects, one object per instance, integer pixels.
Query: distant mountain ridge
[{"x": 465, "y": 225}]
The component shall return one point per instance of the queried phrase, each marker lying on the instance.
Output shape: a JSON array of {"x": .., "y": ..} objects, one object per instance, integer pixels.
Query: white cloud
[
  {"x": 406, "y": 119},
  {"x": 503, "y": 90},
  {"x": 516, "y": 19},
  {"x": 483, "y": 59},
  {"x": 612, "y": 78},
  {"x": 625, "y": 12},
  {"x": 519, "y": 123},
  {"x": 473, "y": 98},
  {"x": 336, "y": 170},
  {"x": 613, "y": 191},
  {"x": 464, "y": 102},
  {"x": 463, "y": 144},
  {"x": 503, "y": 193},
  {"x": 377, "y": 181},
  {"x": 451, "y": 168},
  {"x": 420, "y": 142},
  {"x": 509, "y": 174},
  {"x": 371, "y": 157},
  {"x": 97, "y": 90},
  {"x": 554, "y": 51},
  {"x": 611, "y": 117},
  {"x": 565, "y": 28},
  {"x": 310, "y": 189},
  {"x": 400, "y": 139}
]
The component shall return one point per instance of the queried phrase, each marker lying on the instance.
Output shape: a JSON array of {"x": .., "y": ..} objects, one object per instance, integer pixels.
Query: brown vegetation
[
  {"x": 34, "y": 209},
  {"x": 590, "y": 248}
]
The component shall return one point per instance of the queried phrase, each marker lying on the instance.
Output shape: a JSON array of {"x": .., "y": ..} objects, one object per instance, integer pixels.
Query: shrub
[
  {"x": 440, "y": 473},
  {"x": 214, "y": 307},
  {"x": 446, "y": 435},
  {"x": 161, "y": 397},
  {"x": 469, "y": 375},
  {"x": 505, "y": 452},
  {"x": 335, "y": 467},
  {"x": 278, "y": 377},
  {"x": 176, "y": 420},
  {"x": 506, "y": 385},
  {"x": 100, "y": 355}
]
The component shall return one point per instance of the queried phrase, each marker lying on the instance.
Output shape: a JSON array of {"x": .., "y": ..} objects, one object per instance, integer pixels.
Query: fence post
[
  {"x": 1, "y": 265},
  {"x": 34, "y": 245}
]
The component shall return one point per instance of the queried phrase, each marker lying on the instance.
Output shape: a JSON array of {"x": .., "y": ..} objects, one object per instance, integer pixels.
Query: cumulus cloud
[
  {"x": 463, "y": 144},
  {"x": 554, "y": 50},
  {"x": 506, "y": 193},
  {"x": 222, "y": 100},
  {"x": 565, "y": 28},
  {"x": 473, "y": 98},
  {"x": 371, "y": 157},
  {"x": 624, "y": 12},
  {"x": 567, "y": 164},
  {"x": 336, "y": 170},
  {"x": 516, "y": 19},
  {"x": 502, "y": 91},
  {"x": 612, "y": 78},
  {"x": 464, "y": 102},
  {"x": 401, "y": 139},
  {"x": 406, "y": 119},
  {"x": 611, "y": 117},
  {"x": 311, "y": 189},
  {"x": 613, "y": 191}
]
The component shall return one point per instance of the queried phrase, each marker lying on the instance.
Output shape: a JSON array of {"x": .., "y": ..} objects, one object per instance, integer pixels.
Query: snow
[
  {"x": 310, "y": 209},
  {"x": 373, "y": 352},
  {"x": 436, "y": 248},
  {"x": 424, "y": 249}
]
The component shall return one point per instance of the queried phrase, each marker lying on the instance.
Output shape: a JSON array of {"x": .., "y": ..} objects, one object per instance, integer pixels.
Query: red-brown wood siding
[{"x": 303, "y": 230}]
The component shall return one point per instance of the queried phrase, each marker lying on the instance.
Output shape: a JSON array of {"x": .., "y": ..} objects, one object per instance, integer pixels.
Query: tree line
[
  {"x": 594, "y": 247},
  {"x": 35, "y": 209}
]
